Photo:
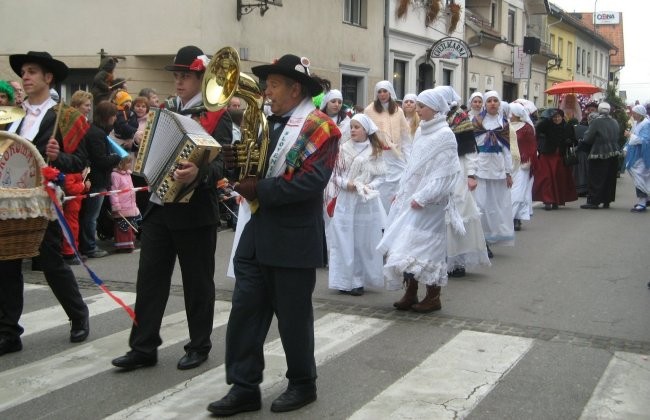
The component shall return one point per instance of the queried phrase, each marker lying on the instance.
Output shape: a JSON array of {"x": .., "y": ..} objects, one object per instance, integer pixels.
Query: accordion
[{"x": 169, "y": 139}]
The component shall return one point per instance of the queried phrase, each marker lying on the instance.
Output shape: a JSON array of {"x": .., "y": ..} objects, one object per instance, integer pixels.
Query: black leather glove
[
  {"x": 247, "y": 188},
  {"x": 229, "y": 157}
]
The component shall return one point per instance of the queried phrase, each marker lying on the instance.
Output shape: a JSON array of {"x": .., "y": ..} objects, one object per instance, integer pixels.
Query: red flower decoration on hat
[{"x": 199, "y": 63}]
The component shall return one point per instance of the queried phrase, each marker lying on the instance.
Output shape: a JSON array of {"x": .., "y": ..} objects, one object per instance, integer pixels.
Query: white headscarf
[
  {"x": 385, "y": 84},
  {"x": 434, "y": 100},
  {"x": 331, "y": 94},
  {"x": 640, "y": 109},
  {"x": 366, "y": 123},
  {"x": 518, "y": 110},
  {"x": 528, "y": 105},
  {"x": 410, "y": 97},
  {"x": 469, "y": 103},
  {"x": 449, "y": 94},
  {"x": 505, "y": 109}
]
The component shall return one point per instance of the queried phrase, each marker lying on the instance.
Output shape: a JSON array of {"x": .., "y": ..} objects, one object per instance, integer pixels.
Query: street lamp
[{"x": 246, "y": 8}]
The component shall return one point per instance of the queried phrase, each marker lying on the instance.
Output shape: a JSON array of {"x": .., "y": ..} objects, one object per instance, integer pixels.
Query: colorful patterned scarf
[
  {"x": 494, "y": 136},
  {"x": 316, "y": 131}
]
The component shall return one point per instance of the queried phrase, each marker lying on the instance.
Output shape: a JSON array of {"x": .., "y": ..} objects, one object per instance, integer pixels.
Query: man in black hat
[
  {"x": 282, "y": 244},
  {"x": 188, "y": 69},
  {"x": 39, "y": 72},
  {"x": 187, "y": 231}
]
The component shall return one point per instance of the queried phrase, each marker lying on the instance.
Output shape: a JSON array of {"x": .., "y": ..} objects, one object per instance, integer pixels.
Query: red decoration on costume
[
  {"x": 209, "y": 120},
  {"x": 50, "y": 173}
]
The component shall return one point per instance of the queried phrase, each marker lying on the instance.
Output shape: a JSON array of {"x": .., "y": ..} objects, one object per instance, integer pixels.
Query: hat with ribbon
[
  {"x": 293, "y": 67},
  {"x": 189, "y": 58},
  {"x": 42, "y": 58}
]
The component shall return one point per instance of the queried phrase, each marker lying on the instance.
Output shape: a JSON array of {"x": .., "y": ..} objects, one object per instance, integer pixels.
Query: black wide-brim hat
[
  {"x": 184, "y": 59},
  {"x": 293, "y": 67},
  {"x": 42, "y": 58}
]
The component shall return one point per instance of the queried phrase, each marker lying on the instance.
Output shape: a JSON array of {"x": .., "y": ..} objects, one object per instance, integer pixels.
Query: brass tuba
[{"x": 223, "y": 80}]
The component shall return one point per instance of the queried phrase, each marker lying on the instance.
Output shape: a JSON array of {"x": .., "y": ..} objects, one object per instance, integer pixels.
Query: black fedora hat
[
  {"x": 186, "y": 60},
  {"x": 42, "y": 58},
  {"x": 293, "y": 67}
]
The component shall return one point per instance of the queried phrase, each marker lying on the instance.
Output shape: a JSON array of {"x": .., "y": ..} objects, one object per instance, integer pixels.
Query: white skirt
[
  {"x": 467, "y": 250},
  {"x": 493, "y": 199},
  {"x": 352, "y": 237},
  {"x": 522, "y": 194}
]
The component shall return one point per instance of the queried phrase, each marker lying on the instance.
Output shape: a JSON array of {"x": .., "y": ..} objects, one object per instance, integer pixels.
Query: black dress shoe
[
  {"x": 294, "y": 398},
  {"x": 191, "y": 360},
  {"x": 236, "y": 402},
  {"x": 134, "y": 360},
  {"x": 9, "y": 344},
  {"x": 548, "y": 206},
  {"x": 589, "y": 206},
  {"x": 457, "y": 272},
  {"x": 357, "y": 291},
  {"x": 79, "y": 330}
]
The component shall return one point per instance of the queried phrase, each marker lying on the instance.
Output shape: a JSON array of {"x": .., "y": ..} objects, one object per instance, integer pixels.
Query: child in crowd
[
  {"x": 125, "y": 211},
  {"x": 358, "y": 217},
  {"x": 126, "y": 124}
]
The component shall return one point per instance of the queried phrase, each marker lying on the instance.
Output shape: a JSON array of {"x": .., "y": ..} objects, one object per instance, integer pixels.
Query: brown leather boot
[
  {"x": 410, "y": 296},
  {"x": 431, "y": 301}
]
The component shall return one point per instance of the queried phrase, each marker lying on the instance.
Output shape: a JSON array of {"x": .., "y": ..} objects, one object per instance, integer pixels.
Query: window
[
  {"x": 425, "y": 77},
  {"x": 588, "y": 64},
  {"x": 354, "y": 12},
  {"x": 399, "y": 77},
  {"x": 596, "y": 64},
  {"x": 560, "y": 47},
  {"x": 585, "y": 63},
  {"x": 578, "y": 60},
  {"x": 493, "y": 15},
  {"x": 602, "y": 64},
  {"x": 569, "y": 55},
  {"x": 512, "y": 17},
  {"x": 552, "y": 42},
  {"x": 447, "y": 77},
  {"x": 351, "y": 88}
]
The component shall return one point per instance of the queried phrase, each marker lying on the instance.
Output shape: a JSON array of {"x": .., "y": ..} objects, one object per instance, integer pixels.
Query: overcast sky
[{"x": 635, "y": 76}]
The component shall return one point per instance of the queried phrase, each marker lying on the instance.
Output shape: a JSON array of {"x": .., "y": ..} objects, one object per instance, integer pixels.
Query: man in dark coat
[
  {"x": 39, "y": 72},
  {"x": 187, "y": 231},
  {"x": 281, "y": 245}
]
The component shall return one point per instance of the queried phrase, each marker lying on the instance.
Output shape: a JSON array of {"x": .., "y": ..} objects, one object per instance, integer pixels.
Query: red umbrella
[{"x": 573, "y": 86}]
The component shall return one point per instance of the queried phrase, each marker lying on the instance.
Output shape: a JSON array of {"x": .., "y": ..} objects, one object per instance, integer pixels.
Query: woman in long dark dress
[{"x": 553, "y": 183}]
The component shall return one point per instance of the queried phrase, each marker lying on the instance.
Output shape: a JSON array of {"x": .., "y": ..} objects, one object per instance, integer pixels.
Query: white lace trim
[
  {"x": 28, "y": 203},
  {"x": 425, "y": 271}
]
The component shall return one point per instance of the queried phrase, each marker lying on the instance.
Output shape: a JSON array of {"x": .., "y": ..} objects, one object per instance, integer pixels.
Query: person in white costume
[
  {"x": 492, "y": 133},
  {"x": 637, "y": 156},
  {"x": 389, "y": 118},
  {"x": 522, "y": 178},
  {"x": 356, "y": 226},
  {"x": 469, "y": 250},
  {"x": 415, "y": 240},
  {"x": 332, "y": 105},
  {"x": 475, "y": 104}
]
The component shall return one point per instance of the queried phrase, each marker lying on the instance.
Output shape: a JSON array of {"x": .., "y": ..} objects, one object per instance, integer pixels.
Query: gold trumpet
[{"x": 223, "y": 80}]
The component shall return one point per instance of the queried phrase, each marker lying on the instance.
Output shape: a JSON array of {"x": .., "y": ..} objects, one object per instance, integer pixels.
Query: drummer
[{"x": 39, "y": 72}]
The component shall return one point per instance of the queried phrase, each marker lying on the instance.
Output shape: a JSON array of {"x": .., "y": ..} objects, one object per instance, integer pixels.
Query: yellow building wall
[{"x": 563, "y": 43}]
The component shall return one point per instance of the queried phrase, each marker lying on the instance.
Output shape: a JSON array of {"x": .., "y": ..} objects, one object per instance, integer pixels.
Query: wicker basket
[{"x": 24, "y": 212}]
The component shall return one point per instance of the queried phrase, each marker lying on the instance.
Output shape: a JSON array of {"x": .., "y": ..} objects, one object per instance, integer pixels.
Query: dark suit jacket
[{"x": 288, "y": 228}]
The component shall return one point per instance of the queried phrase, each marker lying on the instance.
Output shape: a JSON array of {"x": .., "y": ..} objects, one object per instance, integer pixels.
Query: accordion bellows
[{"x": 168, "y": 140}]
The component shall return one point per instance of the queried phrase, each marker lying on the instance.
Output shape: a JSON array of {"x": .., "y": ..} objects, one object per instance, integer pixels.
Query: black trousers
[
  {"x": 59, "y": 277},
  {"x": 195, "y": 249},
  {"x": 260, "y": 292},
  {"x": 602, "y": 180}
]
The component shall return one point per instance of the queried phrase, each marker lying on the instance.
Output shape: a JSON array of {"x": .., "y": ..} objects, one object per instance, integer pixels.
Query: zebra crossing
[{"x": 369, "y": 368}]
